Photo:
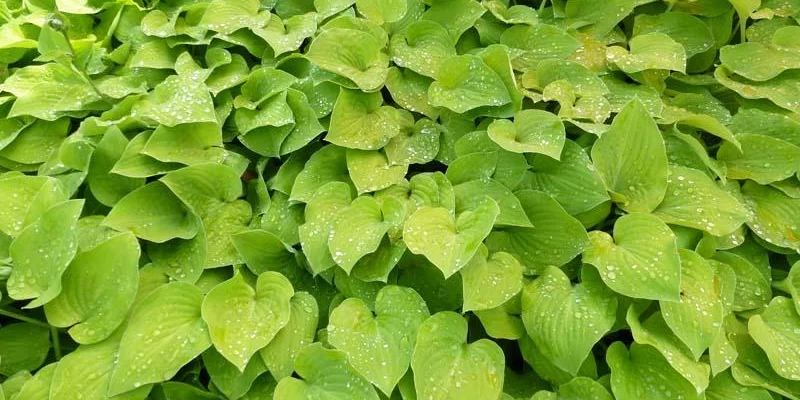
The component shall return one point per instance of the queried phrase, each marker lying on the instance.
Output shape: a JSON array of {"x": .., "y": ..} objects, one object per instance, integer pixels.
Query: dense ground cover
[{"x": 399, "y": 199}]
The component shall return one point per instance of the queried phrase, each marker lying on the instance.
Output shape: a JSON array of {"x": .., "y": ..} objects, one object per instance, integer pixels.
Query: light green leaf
[
  {"x": 773, "y": 215},
  {"x": 422, "y": 48},
  {"x": 499, "y": 324},
  {"x": 23, "y": 346},
  {"x": 446, "y": 367},
  {"x": 641, "y": 261},
  {"x": 654, "y": 332},
  {"x": 533, "y": 44},
  {"x": 573, "y": 181},
  {"x": 382, "y": 11},
  {"x": 87, "y": 371},
  {"x": 288, "y": 35},
  {"x": 533, "y": 131},
  {"x": 164, "y": 333},
  {"x": 449, "y": 242},
  {"x": 153, "y": 213},
  {"x": 227, "y": 17},
  {"x": 357, "y": 231},
  {"x": 695, "y": 201},
  {"x": 189, "y": 144},
  {"x": 647, "y": 52},
  {"x": 133, "y": 164},
  {"x": 280, "y": 354},
  {"x": 38, "y": 387},
  {"x": 724, "y": 387},
  {"x": 601, "y": 18},
  {"x": 643, "y": 373},
  {"x": 24, "y": 198},
  {"x": 359, "y": 121},
  {"x": 758, "y": 61},
  {"x": 227, "y": 378},
  {"x": 328, "y": 164},
  {"x": 410, "y": 91},
  {"x": 696, "y": 318},
  {"x": 320, "y": 218},
  {"x": 183, "y": 260},
  {"x": 98, "y": 290},
  {"x": 777, "y": 332},
  {"x": 490, "y": 281},
  {"x": 466, "y": 82},
  {"x": 763, "y": 159},
  {"x": 632, "y": 160},
  {"x": 471, "y": 194},
  {"x": 42, "y": 252},
  {"x": 564, "y": 321},
  {"x": 555, "y": 238},
  {"x": 379, "y": 346},
  {"x": 242, "y": 319},
  {"x": 782, "y": 90},
  {"x": 364, "y": 64},
  {"x": 48, "y": 91},
  {"x": 326, "y": 375},
  {"x": 107, "y": 187},
  {"x": 752, "y": 288},
  {"x": 690, "y": 31},
  {"x": 179, "y": 99},
  {"x": 456, "y": 16},
  {"x": 370, "y": 170}
]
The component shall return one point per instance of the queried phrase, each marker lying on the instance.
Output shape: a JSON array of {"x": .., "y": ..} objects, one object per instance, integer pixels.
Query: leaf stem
[
  {"x": 20, "y": 317},
  {"x": 541, "y": 5},
  {"x": 56, "y": 342}
]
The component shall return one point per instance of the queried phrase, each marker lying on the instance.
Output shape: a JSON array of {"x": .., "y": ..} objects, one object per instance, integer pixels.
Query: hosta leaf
[
  {"x": 564, "y": 321},
  {"x": 446, "y": 367},
  {"x": 654, "y": 331},
  {"x": 24, "y": 198},
  {"x": 537, "y": 43},
  {"x": 489, "y": 281},
  {"x": 640, "y": 261},
  {"x": 227, "y": 378},
  {"x": 364, "y": 64},
  {"x": 724, "y": 387},
  {"x": 98, "y": 289},
  {"x": 242, "y": 319},
  {"x": 87, "y": 371},
  {"x": 448, "y": 242},
  {"x": 758, "y": 61},
  {"x": 371, "y": 171},
  {"x": 752, "y": 288},
  {"x": 279, "y": 355},
  {"x": 763, "y": 159},
  {"x": 464, "y": 83},
  {"x": 533, "y": 131},
  {"x": 42, "y": 252},
  {"x": 696, "y": 318},
  {"x": 359, "y": 121},
  {"x": 632, "y": 160},
  {"x": 328, "y": 164},
  {"x": 379, "y": 347},
  {"x": 777, "y": 332},
  {"x": 38, "y": 387},
  {"x": 781, "y": 90},
  {"x": 690, "y": 31},
  {"x": 320, "y": 218},
  {"x": 48, "y": 91},
  {"x": 191, "y": 143},
  {"x": 642, "y": 373},
  {"x": 288, "y": 35},
  {"x": 422, "y": 48},
  {"x": 573, "y": 181},
  {"x": 357, "y": 231},
  {"x": 153, "y": 213},
  {"x": 410, "y": 90},
  {"x": 178, "y": 100},
  {"x": 415, "y": 145},
  {"x": 470, "y": 195},
  {"x": 454, "y": 15},
  {"x": 773, "y": 215},
  {"x": 227, "y": 17},
  {"x": 695, "y": 201},
  {"x": 109, "y": 188},
  {"x": 164, "y": 333},
  {"x": 326, "y": 374},
  {"x": 649, "y": 51},
  {"x": 555, "y": 238},
  {"x": 23, "y": 346}
]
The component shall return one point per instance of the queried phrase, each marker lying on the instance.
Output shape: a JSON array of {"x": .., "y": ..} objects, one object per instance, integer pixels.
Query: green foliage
[{"x": 399, "y": 199}]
